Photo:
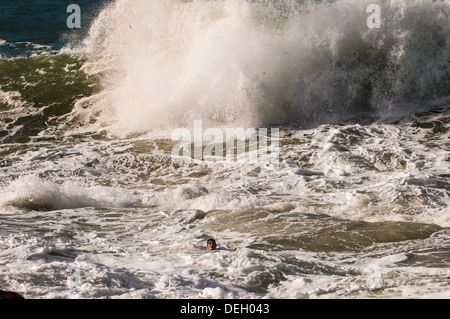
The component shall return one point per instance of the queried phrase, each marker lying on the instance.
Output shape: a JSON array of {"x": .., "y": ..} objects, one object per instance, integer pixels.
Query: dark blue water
[
  {"x": 27, "y": 30},
  {"x": 27, "y": 25}
]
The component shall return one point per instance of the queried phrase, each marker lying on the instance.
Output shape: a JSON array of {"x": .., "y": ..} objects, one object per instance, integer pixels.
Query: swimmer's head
[{"x": 211, "y": 244}]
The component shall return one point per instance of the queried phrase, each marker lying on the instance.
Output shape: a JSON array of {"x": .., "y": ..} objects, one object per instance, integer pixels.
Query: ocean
[{"x": 310, "y": 139}]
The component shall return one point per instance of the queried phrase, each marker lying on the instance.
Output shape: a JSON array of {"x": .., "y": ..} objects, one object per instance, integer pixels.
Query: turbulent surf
[{"x": 358, "y": 206}]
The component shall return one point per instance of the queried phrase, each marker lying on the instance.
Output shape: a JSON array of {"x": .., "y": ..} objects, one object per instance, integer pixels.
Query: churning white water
[
  {"x": 255, "y": 63},
  {"x": 358, "y": 206}
]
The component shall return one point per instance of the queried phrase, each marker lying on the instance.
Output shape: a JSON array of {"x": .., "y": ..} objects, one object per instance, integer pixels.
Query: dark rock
[{"x": 10, "y": 295}]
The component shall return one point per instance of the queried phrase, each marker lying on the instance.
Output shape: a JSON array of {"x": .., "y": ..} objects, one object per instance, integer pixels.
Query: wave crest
[{"x": 256, "y": 63}]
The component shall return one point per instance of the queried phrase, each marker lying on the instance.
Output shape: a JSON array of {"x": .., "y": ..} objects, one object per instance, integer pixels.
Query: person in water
[{"x": 211, "y": 244}]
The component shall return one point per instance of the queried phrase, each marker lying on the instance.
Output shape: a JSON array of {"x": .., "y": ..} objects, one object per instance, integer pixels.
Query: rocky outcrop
[{"x": 10, "y": 295}]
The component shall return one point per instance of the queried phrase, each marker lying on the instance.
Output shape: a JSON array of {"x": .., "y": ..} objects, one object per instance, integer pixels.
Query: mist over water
[{"x": 257, "y": 63}]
